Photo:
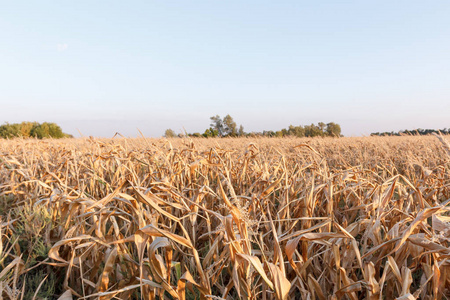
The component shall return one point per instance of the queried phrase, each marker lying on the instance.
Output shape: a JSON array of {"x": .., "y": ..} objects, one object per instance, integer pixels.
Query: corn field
[{"x": 347, "y": 218}]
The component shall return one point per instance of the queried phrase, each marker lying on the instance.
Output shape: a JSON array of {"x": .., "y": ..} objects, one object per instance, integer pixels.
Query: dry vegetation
[{"x": 350, "y": 218}]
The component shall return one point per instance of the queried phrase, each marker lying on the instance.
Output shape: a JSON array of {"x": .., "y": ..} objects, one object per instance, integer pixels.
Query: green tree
[
  {"x": 27, "y": 127},
  {"x": 333, "y": 129},
  {"x": 55, "y": 131},
  {"x": 298, "y": 131},
  {"x": 196, "y": 134},
  {"x": 229, "y": 125},
  {"x": 312, "y": 131},
  {"x": 210, "y": 132},
  {"x": 224, "y": 127},
  {"x": 322, "y": 126},
  {"x": 40, "y": 131},
  {"x": 47, "y": 130},
  {"x": 32, "y": 129},
  {"x": 269, "y": 133},
  {"x": 217, "y": 124},
  {"x": 169, "y": 133},
  {"x": 241, "y": 131},
  {"x": 8, "y": 131}
]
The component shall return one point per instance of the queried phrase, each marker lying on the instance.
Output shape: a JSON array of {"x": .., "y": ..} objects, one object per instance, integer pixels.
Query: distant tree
[
  {"x": 226, "y": 126},
  {"x": 241, "y": 131},
  {"x": 41, "y": 131},
  {"x": 169, "y": 133},
  {"x": 269, "y": 133},
  {"x": 210, "y": 132},
  {"x": 46, "y": 130},
  {"x": 54, "y": 131},
  {"x": 418, "y": 131},
  {"x": 196, "y": 134},
  {"x": 312, "y": 131},
  {"x": 322, "y": 126},
  {"x": 9, "y": 131},
  {"x": 229, "y": 126},
  {"x": 217, "y": 124},
  {"x": 32, "y": 129},
  {"x": 27, "y": 127},
  {"x": 291, "y": 130},
  {"x": 333, "y": 129},
  {"x": 298, "y": 131}
]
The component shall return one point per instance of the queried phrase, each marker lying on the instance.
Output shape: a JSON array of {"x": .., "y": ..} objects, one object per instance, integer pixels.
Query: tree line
[
  {"x": 227, "y": 127},
  {"x": 32, "y": 130},
  {"x": 418, "y": 131}
]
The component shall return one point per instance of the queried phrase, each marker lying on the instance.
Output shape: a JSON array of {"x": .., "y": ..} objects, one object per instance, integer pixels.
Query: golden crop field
[{"x": 348, "y": 218}]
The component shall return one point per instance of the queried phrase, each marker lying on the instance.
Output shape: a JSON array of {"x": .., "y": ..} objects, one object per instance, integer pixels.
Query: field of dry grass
[{"x": 349, "y": 218}]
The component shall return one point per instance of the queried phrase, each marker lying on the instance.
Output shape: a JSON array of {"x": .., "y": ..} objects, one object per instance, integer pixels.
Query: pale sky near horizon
[{"x": 103, "y": 67}]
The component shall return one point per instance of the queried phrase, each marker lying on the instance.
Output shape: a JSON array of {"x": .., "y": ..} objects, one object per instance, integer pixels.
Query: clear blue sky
[{"x": 114, "y": 66}]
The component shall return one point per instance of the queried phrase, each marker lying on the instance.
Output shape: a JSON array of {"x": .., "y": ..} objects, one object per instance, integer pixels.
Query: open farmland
[{"x": 348, "y": 218}]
